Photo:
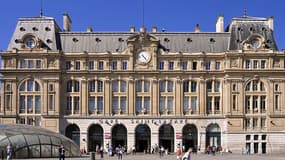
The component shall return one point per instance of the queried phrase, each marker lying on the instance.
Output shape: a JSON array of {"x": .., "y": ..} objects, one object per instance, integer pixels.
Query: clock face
[
  {"x": 255, "y": 43},
  {"x": 143, "y": 57},
  {"x": 30, "y": 43}
]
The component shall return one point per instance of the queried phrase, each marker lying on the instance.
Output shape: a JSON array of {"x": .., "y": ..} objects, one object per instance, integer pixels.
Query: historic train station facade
[{"x": 148, "y": 87}]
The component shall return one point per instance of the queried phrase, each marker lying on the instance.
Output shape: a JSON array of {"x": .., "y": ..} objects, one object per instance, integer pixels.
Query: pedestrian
[
  {"x": 61, "y": 152},
  {"x": 187, "y": 155},
  {"x": 120, "y": 152},
  {"x": 101, "y": 152},
  {"x": 179, "y": 153},
  {"x": 9, "y": 152},
  {"x": 134, "y": 150}
]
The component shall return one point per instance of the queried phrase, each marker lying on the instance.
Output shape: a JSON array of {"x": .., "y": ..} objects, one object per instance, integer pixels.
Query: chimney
[
  {"x": 142, "y": 29},
  {"x": 66, "y": 23},
  {"x": 220, "y": 24},
  {"x": 89, "y": 29},
  {"x": 132, "y": 29},
  {"x": 197, "y": 28},
  {"x": 154, "y": 29},
  {"x": 271, "y": 23}
]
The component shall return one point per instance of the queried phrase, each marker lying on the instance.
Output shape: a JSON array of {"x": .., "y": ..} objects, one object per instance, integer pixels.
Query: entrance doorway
[
  {"x": 73, "y": 132},
  {"x": 95, "y": 137},
  {"x": 142, "y": 134},
  {"x": 166, "y": 137},
  {"x": 119, "y": 136},
  {"x": 190, "y": 137},
  {"x": 213, "y": 135}
]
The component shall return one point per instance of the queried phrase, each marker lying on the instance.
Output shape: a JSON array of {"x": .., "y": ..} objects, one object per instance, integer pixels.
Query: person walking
[
  {"x": 178, "y": 153},
  {"x": 187, "y": 155},
  {"x": 9, "y": 152},
  {"x": 120, "y": 152},
  {"x": 61, "y": 152}
]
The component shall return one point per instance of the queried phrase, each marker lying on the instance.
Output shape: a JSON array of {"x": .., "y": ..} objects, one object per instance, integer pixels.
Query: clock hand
[{"x": 144, "y": 57}]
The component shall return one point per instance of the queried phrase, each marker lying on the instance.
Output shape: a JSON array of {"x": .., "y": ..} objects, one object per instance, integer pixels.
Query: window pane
[
  {"x": 147, "y": 103},
  {"x": 38, "y": 104},
  {"x": 161, "y": 104},
  {"x": 123, "y": 86},
  {"x": 23, "y": 87},
  {"x": 91, "y": 65},
  {"x": 146, "y": 86},
  {"x": 91, "y": 103},
  {"x": 169, "y": 86},
  {"x": 193, "y": 86},
  {"x": 51, "y": 102},
  {"x": 115, "y": 103},
  {"x": 170, "y": 103},
  {"x": 100, "y": 86},
  {"x": 138, "y": 104},
  {"x": 30, "y": 104},
  {"x": 30, "y": 64},
  {"x": 100, "y": 65},
  {"x": 69, "y": 104},
  {"x": 76, "y": 103},
  {"x": 123, "y": 103},
  {"x": 37, "y": 86},
  {"x": 22, "y": 64},
  {"x": 76, "y": 86},
  {"x": 124, "y": 65},
  {"x": 185, "y": 104},
  {"x": 162, "y": 86},
  {"x": 22, "y": 104},
  {"x": 115, "y": 86},
  {"x": 186, "y": 86},
  {"x": 139, "y": 86},
  {"x": 100, "y": 104},
  {"x": 217, "y": 86},
  {"x": 91, "y": 86},
  {"x": 69, "y": 86},
  {"x": 30, "y": 85},
  {"x": 194, "y": 103}
]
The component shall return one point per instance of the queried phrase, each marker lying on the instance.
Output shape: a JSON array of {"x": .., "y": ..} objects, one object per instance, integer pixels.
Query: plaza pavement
[{"x": 172, "y": 156}]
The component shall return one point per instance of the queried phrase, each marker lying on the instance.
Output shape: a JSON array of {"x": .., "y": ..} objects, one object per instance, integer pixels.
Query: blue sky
[{"x": 119, "y": 15}]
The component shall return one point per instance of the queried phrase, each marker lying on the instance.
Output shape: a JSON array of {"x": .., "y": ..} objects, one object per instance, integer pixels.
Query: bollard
[{"x": 92, "y": 155}]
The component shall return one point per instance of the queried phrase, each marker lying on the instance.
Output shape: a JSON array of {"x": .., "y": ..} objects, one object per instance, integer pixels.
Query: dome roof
[{"x": 34, "y": 142}]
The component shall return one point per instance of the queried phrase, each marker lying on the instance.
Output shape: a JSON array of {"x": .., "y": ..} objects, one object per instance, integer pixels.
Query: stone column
[
  {"x": 44, "y": 103},
  {"x": 14, "y": 103},
  {"x": 131, "y": 96},
  {"x": 202, "y": 96},
  {"x": 178, "y": 97},
  {"x": 107, "y": 96},
  {"x": 155, "y": 96},
  {"x": 2, "y": 97},
  {"x": 84, "y": 97}
]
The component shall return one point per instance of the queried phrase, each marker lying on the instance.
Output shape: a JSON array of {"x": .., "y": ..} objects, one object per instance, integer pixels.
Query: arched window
[{"x": 30, "y": 97}]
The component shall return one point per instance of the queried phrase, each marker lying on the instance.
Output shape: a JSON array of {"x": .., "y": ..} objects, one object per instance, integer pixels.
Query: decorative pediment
[{"x": 142, "y": 39}]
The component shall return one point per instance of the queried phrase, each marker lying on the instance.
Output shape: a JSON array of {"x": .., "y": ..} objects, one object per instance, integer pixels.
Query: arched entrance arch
[
  {"x": 142, "y": 134},
  {"x": 72, "y": 131},
  {"x": 119, "y": 135},
  {"x": 213, "y": 135},
  {"x": 190, "y": 137},
  {"x": 95, "y": 137},
  {"x": 166, "y": 137}
]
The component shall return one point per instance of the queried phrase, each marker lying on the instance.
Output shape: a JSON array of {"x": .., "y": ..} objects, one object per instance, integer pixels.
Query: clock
[
  {"x": 255, "y": 43},
  {"x": 30, "y": 42},
  {"x": 143, "y": 57}
]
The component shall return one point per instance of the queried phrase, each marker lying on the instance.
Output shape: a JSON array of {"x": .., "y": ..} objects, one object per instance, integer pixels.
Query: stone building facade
[{"x": 148, "y": 88}]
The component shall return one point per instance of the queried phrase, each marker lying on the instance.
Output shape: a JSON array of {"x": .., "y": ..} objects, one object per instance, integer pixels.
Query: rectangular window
[
  {"x": 114, "y": 65},
  {"x": 254, "y": 85},
  {"x": 124, "y": 65},
  {"x": 91, "y": 86},
  {"x": 208, "y": 65},
  {"x": 209, "y": 105},
  {"x": 277, "y": 102},
  {"x": 100, "y": 65},
  {"x": 161, "y": 65},
  {"x": 23, "y": 63},
  {"x": 234, "y": 102},
  {"x": 67, "y": 65},
  {"x": 91, "y": 104},
  {"x": 263, "y": 64},
  {"x": 77, "y": 65},
  {"x": 255, "y": 104},
  {"x": 255, "y": 122},
  {"x": 115, "y": 86},
  {"x": 194, "y": 66},
  {"x": 184, "y": 65},
  {"x": 38, "y": 104},
  {"x": 30, "y": 85},
  {"x": 217, "y": 86},
  {"x": 76, "y": 86},
  {"x": 99, "y": 86},
  {"x": 38, "y": 64},
  {"x": 139, "y": 86},
  {"x": 30, "y": 64},
  {"x": 255, "y": 64},
  {"x": 170, "y": 65},
  {"x": 209, "y": 86},
  {"x": 100, "y": 104},
  {"x": 91, "y": 65},
  {"x": 51, "y": 102},
  {"x": 218, "y": 66},
  {"x": 8, "y": 102},
  {"x": 247, "y": 64},
  {"x": 247, "y": 104},
  {"x": 76, "y": 104},
  {"x": 186, "y": 86},
  {"x": 123, "y": 87}
]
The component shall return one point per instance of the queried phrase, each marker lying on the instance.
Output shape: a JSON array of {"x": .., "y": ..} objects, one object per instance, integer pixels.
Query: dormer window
[
  {"x": 255, "y": 43},
  {"x": 30, "y": 41}
]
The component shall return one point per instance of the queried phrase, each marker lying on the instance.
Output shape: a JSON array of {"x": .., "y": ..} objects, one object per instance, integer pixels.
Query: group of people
[{"x": 186, "y": 156}]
